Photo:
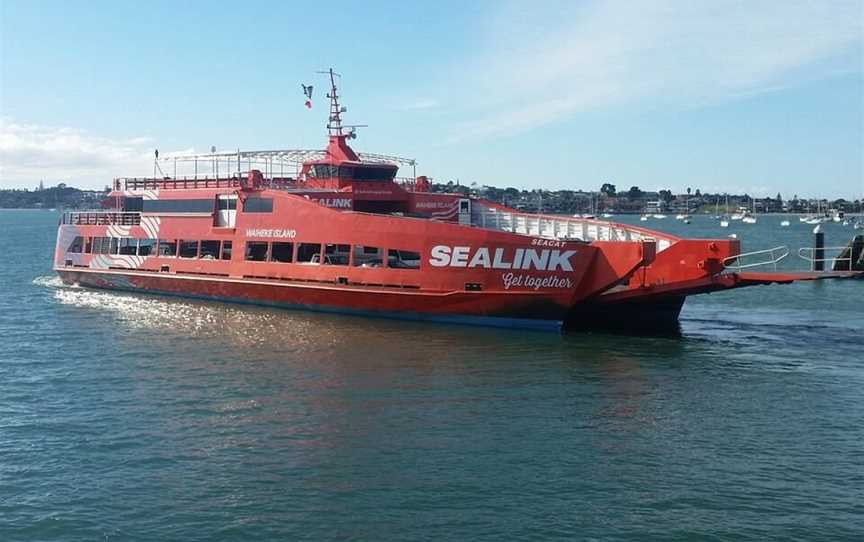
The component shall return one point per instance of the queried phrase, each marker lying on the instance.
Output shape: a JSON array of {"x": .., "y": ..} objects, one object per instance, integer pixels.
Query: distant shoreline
[{"x": 692, "y": 215}]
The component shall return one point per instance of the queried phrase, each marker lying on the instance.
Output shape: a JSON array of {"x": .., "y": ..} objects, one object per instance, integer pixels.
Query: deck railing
[
  {"x": 561, "y": 227},
  {"x": 839, "y": 258},
  {"x": 757, "y": 258},
  {"x": 192, "y": 182},
  {"x": 100, "y": 218}
]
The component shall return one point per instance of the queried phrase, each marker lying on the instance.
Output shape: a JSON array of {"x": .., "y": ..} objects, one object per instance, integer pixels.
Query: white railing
[
  {"x": 769, "y": 256},
  {"x": 193, "y": 182},
  {"x": 809, "y": 254},
  {"x": 561, "y": 227},
  {"x": 100, "y": 218}
]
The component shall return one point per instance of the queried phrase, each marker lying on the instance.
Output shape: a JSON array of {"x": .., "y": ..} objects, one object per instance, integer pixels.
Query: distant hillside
[
  {"x": 60, "y": 196},
  {"x": 607, "y": 199}
]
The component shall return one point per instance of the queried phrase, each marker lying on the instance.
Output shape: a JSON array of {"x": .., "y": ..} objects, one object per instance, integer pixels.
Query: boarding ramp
[
  {"x": 761, "y": 266},
  {"x": 838, "y": 258}
]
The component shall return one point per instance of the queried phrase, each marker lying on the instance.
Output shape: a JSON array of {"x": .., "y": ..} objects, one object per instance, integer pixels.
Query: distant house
[{"x": 655, "y": 206}]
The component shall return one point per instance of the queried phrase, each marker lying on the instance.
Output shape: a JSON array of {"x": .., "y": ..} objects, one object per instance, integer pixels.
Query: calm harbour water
[{"x": 127, "y": 417}]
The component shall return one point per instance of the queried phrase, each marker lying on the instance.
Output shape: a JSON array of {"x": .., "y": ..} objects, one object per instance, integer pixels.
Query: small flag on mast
[{"x": 307, "y": 90}]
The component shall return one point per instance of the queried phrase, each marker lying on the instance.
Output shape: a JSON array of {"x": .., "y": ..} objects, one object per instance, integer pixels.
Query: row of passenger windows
[
  {"x": 255, "y": 251},
  {"x": 331, "y": 254},
  {"x": 250, "y": 205},
  {"x": 208, "y": 250}
]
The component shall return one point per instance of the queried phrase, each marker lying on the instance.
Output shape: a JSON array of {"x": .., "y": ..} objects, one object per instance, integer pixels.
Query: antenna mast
[{"x": 334, "y": 121}]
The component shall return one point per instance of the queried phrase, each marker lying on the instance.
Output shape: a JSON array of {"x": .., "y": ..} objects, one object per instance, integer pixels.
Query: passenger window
[
  {"x": 128, "y": 246},
  {"x": 88, "y": 245},
  {"x": 226, "y": 250},
  {"x": 209, "y": 250},
  {"x": 188, "y": 249},
  {"x": 167, "y": 248},
  {"x": 114, "y": 243},
  {"x": 256, "y": 251},
  {"x": 403, "y": 259},
  {"x": 258, "y": 205},
  {"x": 309, "y": 253},
  {"x": 337, "y": 254},
  {"x": 368, "y": 256},
  {"x": 178, "y": 206},
  {"x": 134, "y": 204},
  {"x": 77, "y": 245},
  {"x": 282, "y": 252},
  {"x": 101, "y": 245},
  {"x": 146, "y": 246}
]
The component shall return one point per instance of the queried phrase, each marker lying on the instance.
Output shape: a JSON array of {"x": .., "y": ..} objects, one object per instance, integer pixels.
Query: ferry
[{"x": 341, "y": 232}]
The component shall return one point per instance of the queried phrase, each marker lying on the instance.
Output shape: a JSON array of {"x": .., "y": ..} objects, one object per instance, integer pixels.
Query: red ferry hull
[{"x": 496, "y": 309}]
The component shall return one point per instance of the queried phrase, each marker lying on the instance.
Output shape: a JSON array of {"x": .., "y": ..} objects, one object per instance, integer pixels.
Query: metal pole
[{"x": 818, "y": 249}]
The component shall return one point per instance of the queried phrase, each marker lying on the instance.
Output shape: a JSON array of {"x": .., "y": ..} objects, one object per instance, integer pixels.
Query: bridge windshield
[{"x": 382, "y": 172}]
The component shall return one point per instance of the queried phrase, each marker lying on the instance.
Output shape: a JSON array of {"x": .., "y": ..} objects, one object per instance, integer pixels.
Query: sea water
[{"x": 135, "y": 417}]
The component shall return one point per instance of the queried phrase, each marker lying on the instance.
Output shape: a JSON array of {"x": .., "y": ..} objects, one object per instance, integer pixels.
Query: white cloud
[
  {"x": 31, "y": 152},
  {"x": 545, "y": 61}
]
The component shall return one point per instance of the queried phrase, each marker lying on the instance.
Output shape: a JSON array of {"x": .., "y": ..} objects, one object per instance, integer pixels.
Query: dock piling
[{"x": 818, "y": 249}]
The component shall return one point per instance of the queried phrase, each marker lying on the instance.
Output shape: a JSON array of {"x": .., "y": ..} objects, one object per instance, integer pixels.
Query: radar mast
[{"x": 334, "y": 121}]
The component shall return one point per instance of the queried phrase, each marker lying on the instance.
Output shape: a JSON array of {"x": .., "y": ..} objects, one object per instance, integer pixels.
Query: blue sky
[{"x": 758, "y": 97}]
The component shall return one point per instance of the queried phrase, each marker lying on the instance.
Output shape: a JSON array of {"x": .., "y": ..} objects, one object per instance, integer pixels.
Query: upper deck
[
  {"x": 344, "y": 180},
  {"x": 481, "y": 214}
]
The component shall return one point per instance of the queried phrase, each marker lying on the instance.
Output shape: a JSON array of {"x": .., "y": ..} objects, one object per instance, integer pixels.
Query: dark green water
[{"x": 142, "y": 418}]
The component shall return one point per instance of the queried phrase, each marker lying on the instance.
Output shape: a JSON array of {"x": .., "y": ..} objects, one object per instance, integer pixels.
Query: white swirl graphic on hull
[
  {"x": 148, "y": 195},
  {"x": 150, "y": 225},
  {"x": 116, "y": 230},
  {"x": 124, "y": 261},
  {"x": 447, "y": 213}
]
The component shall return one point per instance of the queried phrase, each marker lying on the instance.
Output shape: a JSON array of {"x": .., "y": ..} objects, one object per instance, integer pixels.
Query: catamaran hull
[{"x": 648, "y": 316}]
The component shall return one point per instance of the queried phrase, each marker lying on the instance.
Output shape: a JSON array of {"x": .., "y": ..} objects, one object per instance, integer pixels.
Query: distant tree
[
  {"x": 698, "y": 193},
  {"x": 666, "y": 195},
  {"x": 688, "y": 190},
  {"x": 779, "y": 198},
  {"x": 461, "y": 189},
  {"x": 634, "y": 192},
  {"x": 608, "y": 189}
]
